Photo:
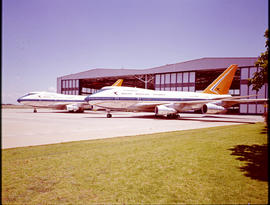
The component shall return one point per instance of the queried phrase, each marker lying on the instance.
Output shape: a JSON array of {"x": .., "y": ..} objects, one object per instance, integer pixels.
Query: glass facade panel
[
  {"x": 252, "y": 108},
  {"x": 185, "y": 88},
  {"x": 157, "y": 80},
  {"x": 162, "y": 79},
  {"x": 244, "y": 73},
  {"x": 244, "y": 89},
  {"x": 192, "y": 77},
  {"x": 173, "y": 78},
  {"x": 179, "y": 77},
  {"x": 173, "y": 88},
  {"x": 167, "y": 78},
  {"x": 179, "y": 89},
  {"x": 191, "y": 89},
  {"x": 261, "y": 92},
  {"x": 252, "y": 71},
  {"x": 251, "y": 92},
  {"x": 243, "y": 108},
  {"x": 260, "y": 108},
  {"x": 185, "y": 77}
]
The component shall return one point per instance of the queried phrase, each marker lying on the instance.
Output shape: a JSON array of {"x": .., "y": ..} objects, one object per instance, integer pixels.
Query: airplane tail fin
[
  {"x": 222, "y": 84},
  {"x": 118, "y": 82}
]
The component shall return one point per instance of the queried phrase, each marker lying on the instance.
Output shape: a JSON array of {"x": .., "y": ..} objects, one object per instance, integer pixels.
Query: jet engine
[
  {"x": 211, "y": 108},
  {"x": 164, "y": 110},
  {"x": 74, "y": 108}
]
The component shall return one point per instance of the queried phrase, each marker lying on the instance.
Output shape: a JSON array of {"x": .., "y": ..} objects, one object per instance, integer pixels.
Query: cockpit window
[
  {"x": 104, "y": 89},
  {"x": 28, "y": 94}
]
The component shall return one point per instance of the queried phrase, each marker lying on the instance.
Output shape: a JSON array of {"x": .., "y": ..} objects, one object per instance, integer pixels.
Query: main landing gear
[
  {"x": 109, "y": 115},
  {"x": 35, "y": 110},
  {"x": 173, "y": 116}
]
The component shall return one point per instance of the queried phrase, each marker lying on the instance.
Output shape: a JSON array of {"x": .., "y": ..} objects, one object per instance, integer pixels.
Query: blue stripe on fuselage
[
  {"x": 49, "y": 100},
  {"x": 141, "y": 99}
]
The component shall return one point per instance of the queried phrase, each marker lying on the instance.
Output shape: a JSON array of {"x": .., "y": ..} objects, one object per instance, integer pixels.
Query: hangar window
[
  {"x": 173, "y": 88},
  {"x": 167, "y": 79},
  {"x": 162, "y": 79},
  {"x": 261, "y": 92},
  {"x": 260, "y": 108},
  {"x": 179, "y": 77},
  {"x": 179, "y": 89},
  {"x": 185, "y": 77},
  {"x": 63, "y": 84},
  {"x": 252, "y": 71},
  {"x": 243, "y": 108},
  {"x": 73, "y": 83},
  {"x": 244, "y": 89},
  {"x": 251, "y": 92},
  {"x": 191, "y": 89},
  {"x": 244, "y": 73},
  {"x": 157, "y": 79},
  {"x": 185, "y": 88},
  {"x": 173, "y": 78},
  {"x": 192, "y": 77},
  {"x": 252, "y": 108}
]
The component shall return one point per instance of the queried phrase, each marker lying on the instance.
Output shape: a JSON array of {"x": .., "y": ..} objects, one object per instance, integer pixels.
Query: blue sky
[{"x": 45, "y": 39}]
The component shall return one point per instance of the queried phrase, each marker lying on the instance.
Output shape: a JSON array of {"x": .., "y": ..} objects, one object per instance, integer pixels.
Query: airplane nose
[
  {"x": 86, "y": 99},
  {"x": 19, "y": 100}
]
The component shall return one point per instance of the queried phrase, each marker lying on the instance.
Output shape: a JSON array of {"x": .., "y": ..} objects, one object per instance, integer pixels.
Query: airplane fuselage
[
  {"x": 138, "y": 99},
  {"x": 53, "y": 100}
]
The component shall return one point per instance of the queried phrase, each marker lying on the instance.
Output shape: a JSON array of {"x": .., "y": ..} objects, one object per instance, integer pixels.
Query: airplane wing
[
  {"x": 177, "y": 105},
  {"x": 231, "y": 102},
  {"x": 195, "y": 104}
]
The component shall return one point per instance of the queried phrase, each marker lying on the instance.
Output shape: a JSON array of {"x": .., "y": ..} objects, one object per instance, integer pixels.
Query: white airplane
[
  {"x": 72, "y": 103},
  {"x": 170, "y": 103}
]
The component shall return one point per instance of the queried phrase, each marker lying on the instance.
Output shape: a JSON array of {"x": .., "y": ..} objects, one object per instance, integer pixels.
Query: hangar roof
[{"x": 192, "y": 65}]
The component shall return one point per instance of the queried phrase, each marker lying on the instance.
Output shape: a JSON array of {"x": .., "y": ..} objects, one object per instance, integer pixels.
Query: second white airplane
[
  {"x": 72, "y": 103},
  {"x": 169, "y": 103}
]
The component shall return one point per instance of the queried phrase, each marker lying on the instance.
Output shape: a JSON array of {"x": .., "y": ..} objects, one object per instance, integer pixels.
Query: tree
[{"x": 260, "y": 77}]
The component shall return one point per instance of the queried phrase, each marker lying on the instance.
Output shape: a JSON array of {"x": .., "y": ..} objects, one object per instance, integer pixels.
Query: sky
[{"x": 46, "y": 39}]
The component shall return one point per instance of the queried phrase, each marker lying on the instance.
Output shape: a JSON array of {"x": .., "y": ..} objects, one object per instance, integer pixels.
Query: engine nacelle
[
  {"x": 73, "y": 108},
  {"x": 164, "y": 110},
  {"x": 211, "y": 108}
]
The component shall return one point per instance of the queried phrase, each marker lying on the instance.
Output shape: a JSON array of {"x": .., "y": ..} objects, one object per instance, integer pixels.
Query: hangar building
[{"x": 193, "y": 75}]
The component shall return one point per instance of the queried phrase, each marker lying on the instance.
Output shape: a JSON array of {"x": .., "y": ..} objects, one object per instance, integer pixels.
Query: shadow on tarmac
[
  {"x": 206, "y": 118},
  {"x": 193, "y": 117}
]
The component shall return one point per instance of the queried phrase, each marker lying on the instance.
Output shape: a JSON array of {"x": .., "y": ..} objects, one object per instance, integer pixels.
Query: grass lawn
[{"x": 218, "y": 165}]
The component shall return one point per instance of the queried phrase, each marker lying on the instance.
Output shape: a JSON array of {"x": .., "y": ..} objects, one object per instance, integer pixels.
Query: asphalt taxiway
[{"x": 22, "y": 127}]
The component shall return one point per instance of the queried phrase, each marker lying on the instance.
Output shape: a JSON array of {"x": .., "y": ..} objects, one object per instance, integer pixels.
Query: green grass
[{"x": 213, "y": 165}]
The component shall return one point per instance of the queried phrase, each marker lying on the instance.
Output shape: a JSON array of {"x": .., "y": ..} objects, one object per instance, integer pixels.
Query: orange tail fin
[{"x": 223, "y": 83}]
